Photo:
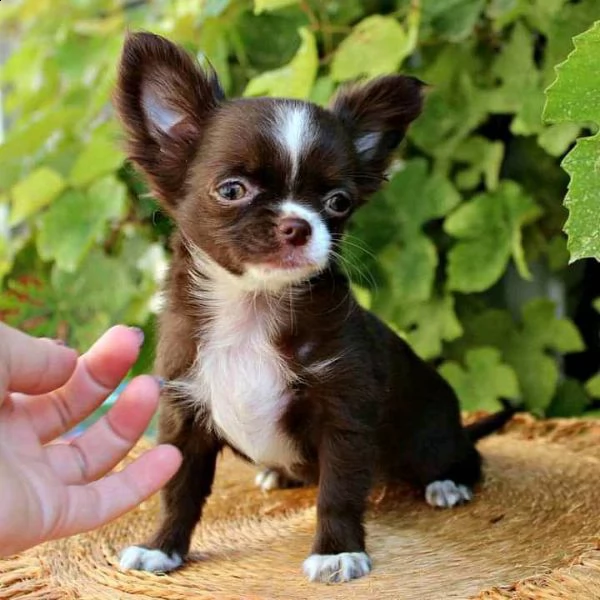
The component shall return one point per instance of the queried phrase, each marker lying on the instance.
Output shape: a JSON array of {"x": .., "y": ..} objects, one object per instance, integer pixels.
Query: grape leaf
[
  {"x": 413, "y": 197},
  {"x": 527, "y": 347},
  {"x": 455, "y": 105},
  {"x": 571, "y": 399},
  {"x": 281, "y": 28},
  {"x": 482, "y": 380},
  {"x": 99, "y": 157},
  {"x": 484, "y": 158},
  {"x": 264, "y": 5},
  {"x": 450, "y": 19},
  {"x": 556, "y": 139},
  {"x": 84, "y": 215},
  {"x": 295, "y": 80},
  {"x": 428, "y": 324},
  {"x": 377, "y": 45},
  {"x": 95, "y": 296},
  {"x": 35, "y": 192},
  {"x": 592, "y": 386},
  {"x": 488, "y": 230},
  {"x": 572, "y": 98}
]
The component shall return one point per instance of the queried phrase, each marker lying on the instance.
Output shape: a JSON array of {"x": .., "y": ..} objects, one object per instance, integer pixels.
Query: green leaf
[
  {"x": 520, "y": 83},
  {"x": 214, "y": 47},
  {"x": 453, "y": 20},
  {"x": 413, "y": 197},
  {"x": 572, "y": 97},
  {"x": 593, "y": 386},
  {"x": 429, "y": 324},
  {"x": 95, "y": 296},
  {"x": 569, "y": 21},
  {"x": 484, "y": 158},
  {"x": 100, "y": 157},
  {"x": 84, "y": 216},
  {"x": 296, "y": 79},
  {"x": 556, "y": 139},
  {"x": 377, "y": 45},
  {"x": 483, "y": 380},
  {"x": 280, "y": 28},
  {"x": 570, "y": 400},
  {"x": 455, "y": 105},
  {"x": 263, "y": 5},
  {"x": 35, "y": 192},
  {"x": 526, "y": 347},
  {"x": 488, "y": 229}
]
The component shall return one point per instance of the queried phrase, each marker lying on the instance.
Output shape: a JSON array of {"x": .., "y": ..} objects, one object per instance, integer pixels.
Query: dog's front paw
[
  {"x": 145, "y": 559},
  {"x": 446, "y": 494},
  {"x": 335, "y": 568}
]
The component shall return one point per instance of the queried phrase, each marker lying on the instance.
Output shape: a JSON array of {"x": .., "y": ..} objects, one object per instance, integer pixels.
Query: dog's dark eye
[
  {"x": 338, "y": 204},
  {"x": 231, "y": 191}
]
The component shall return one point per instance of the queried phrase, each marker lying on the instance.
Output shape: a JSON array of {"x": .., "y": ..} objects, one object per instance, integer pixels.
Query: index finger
[{"x": 32, "y": 365}]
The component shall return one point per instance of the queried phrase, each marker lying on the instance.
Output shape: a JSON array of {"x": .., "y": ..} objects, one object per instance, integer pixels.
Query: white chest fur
[{"x": 242, "y": 378}]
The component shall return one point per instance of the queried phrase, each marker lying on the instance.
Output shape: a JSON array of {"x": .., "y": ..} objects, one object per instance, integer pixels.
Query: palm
[{"x": 52, "y": 490}]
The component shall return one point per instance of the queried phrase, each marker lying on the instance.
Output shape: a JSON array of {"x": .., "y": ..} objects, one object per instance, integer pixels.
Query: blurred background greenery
[{"x": 462, "y": 253}]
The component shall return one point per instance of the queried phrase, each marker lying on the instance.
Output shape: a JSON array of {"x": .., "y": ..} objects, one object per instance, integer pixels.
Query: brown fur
[{"x": 380, "y": 411}]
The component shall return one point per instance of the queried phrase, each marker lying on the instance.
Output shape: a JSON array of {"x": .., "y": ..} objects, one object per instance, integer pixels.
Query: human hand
[{"x": 48, "y": 491}]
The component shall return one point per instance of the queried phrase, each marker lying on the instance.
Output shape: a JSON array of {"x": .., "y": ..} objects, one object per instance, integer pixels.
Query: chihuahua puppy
[{"x": 261, "y": 343}]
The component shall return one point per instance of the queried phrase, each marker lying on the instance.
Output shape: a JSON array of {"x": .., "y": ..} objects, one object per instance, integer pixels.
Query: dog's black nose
[{"x": 294, "y": 231}]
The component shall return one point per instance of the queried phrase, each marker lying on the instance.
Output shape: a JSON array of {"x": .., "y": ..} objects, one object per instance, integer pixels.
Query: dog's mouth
[
  {"x": 290, "y": 261},
  {"x": 282, "y": 269}
]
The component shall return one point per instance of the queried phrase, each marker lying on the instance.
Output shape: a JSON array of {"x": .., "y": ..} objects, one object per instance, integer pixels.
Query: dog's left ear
[{"x": 377, "y": 115}]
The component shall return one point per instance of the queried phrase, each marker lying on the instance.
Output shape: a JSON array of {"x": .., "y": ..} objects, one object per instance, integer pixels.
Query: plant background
[{"x": 462, "y": 252}]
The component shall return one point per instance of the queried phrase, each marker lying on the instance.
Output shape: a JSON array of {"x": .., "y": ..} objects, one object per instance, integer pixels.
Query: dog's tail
[{"x": 493, "y": 422}]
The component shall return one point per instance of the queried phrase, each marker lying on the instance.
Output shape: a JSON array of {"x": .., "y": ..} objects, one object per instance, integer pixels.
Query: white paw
[
  {"x": 144, "y": 559},
  {"x": 446, "y": 494},
  {"x": 334, "y": 568},
  {"x": 268, "y": 480}
]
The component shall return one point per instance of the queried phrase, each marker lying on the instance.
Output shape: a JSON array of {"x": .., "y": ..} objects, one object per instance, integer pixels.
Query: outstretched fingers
[{"x": 110, "y": 439}]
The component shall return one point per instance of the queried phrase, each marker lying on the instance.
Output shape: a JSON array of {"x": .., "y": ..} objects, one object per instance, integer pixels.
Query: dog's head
[{"x": 262, "y": 186}]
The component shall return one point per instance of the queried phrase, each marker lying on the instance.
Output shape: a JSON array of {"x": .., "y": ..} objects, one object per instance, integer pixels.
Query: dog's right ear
[{"x": 164, "y": 100}]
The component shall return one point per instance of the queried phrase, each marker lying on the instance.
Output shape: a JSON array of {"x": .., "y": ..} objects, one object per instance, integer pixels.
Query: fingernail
[
  {"x": 161, "y": 382},
  {"x": 139, "y": 333}
]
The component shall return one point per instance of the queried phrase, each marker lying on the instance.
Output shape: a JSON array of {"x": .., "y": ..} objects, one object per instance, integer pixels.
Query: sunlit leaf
[
  {"x": 84, "y": 215},
  {"x": 572, "y": 98},
  {"x": 99, "y": 157},
  {"x": 376, "y": 45},
  {"x": 35, "y": 192},
  {"x": 295, "y": 80},
  {"x": 263, "y": 5}
]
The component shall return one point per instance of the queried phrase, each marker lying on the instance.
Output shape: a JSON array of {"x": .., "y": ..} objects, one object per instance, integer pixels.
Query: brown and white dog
[{"x": 262, "y": 345}]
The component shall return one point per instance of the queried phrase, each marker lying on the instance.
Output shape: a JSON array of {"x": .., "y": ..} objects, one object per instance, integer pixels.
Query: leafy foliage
[
  {"x": 573, "y": 98},
  {"x": 484, "y": 379},
  {"x": 476, "y": 196}
]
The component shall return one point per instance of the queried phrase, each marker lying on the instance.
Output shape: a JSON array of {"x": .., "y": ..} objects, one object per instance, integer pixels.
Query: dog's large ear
[
  {"x": 163, "y": 99},
  {"x": 377, "y": 115}
]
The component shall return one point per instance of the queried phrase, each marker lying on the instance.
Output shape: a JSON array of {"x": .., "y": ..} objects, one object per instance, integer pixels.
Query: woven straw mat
[{"x": 532, "y": 532}]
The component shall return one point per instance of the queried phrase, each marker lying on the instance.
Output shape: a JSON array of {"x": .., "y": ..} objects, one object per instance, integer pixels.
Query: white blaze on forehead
[
  {"x": 294, "y": 132},
  {"x": 318, "y": 247}
]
